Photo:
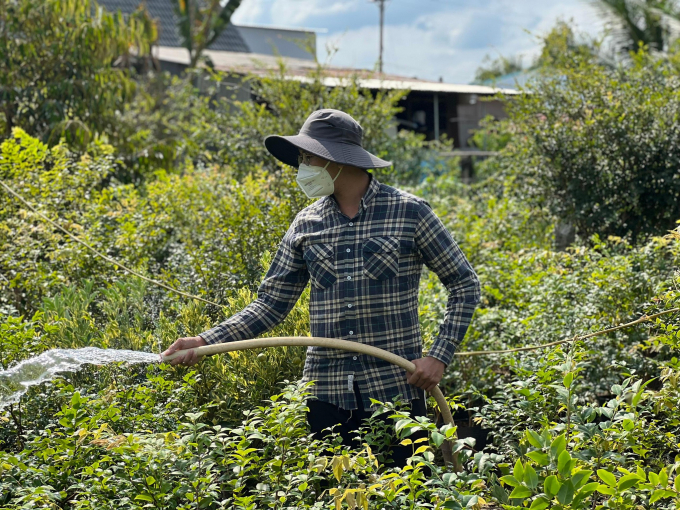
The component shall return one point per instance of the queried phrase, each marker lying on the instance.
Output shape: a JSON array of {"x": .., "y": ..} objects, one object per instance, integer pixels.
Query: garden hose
[{"x": 334, "y": 343}]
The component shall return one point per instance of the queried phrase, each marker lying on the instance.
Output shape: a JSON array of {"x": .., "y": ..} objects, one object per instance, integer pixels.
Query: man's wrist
[
  {"x": 443, "y": 350},
  {"x": 438, "y": 359}
]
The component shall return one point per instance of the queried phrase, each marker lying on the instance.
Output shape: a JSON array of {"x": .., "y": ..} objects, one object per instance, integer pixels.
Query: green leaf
[
  {"x": 551, "y": 486},
  {"x": 533, "y": 438},
  {"x": 510, "y": 480},
  {"x": 400, "y": 424},
  {"x": 568, "y": 379},
  {"x": 520, "y": 492},
  {"x": 566, "y": 493},
  {"x": 638, "y": 395},
  {"x": 500, "y": 493},
  {"x": 588, "y": 488},
  {"x": 663, "y": 478},
  {"x": 451, "y": 432},
  {"x": 437, "y": 438},
  {"x": 144, "y": 497},
  {"x": 628, "y": 424},
  {"x": 653, "y": 478},
  {"x": 558, "y": 446},
  {"x": 603, "y": 489},
  {"x": 518, "y": 471},
  {"x": 628, "y": 481},
  {"x": 581, "y": 477},
  {"x": 530, "y": 477},
  {"x": 539, "y": 458},
  {"x": 564, "y": 464},
  {"x": 657, "y": 495},
  {"x": 150, "y": 480},
  {"x": 607, "y": 477},
  {"x": 539, "y": 504}
]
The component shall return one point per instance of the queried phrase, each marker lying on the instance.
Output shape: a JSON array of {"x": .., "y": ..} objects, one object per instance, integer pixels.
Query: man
[{"x": 363, "y": 246}]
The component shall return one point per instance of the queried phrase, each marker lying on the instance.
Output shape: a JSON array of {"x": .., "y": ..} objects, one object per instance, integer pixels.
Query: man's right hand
[{"x": 189, "y": 358}]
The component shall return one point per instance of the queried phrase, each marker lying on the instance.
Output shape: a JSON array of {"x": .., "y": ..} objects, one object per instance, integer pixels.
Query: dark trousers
[{"x": 324, "y": 414}]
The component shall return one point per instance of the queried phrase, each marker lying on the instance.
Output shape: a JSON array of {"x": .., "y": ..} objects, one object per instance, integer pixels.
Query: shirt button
[
  {"x": 349, "y": 305},
  {"x": 349, "y": 277},
  {"x": 351, "y": 332},
  {"x": 348, "y": 250},
  {"x": 354, "y": 358},
  {"x": 351, "y": 224}
]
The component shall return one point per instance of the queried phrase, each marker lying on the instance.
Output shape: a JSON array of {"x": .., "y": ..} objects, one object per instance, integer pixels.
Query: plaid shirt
[{"x": 365, "y": 274}]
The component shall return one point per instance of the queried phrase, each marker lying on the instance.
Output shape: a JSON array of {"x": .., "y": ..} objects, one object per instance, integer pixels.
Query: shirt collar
[{"x": 371, "y": 192}]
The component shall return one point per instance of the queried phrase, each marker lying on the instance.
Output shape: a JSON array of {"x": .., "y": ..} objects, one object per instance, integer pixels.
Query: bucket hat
[{"x": 329, "y": 134}]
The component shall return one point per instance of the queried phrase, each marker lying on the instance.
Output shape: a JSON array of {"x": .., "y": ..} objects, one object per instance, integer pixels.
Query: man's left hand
[{"x": 429, "y": 372}]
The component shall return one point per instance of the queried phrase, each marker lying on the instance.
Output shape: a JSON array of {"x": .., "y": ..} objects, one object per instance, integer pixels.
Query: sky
[{"x": 427, "y": 39}]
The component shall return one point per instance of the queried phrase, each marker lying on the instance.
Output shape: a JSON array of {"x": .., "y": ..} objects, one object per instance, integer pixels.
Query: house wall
[
  {"x": 459, "y": 114},
  {"x": 471, "y": 110}
]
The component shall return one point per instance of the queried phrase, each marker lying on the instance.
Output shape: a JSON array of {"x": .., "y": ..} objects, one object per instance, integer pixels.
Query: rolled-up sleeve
[
  {"x": 442, "y": 255},
  {"x": 276, "y": 296}
]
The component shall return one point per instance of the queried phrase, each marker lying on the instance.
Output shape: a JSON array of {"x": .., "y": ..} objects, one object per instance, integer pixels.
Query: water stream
[{"x": 16, "y": 381}]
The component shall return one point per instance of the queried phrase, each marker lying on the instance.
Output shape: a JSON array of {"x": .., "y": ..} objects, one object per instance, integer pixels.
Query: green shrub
[
  {"x": 198, "y": 119},
  {"x": 56, "y": 73},
  {"x": 601, "y": 147}
]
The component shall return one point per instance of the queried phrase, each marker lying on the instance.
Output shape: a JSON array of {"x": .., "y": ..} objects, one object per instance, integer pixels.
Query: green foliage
[
  {"x": 600, "y": 147},
  {"x": 62, "y": 183},
  {"x": 186, "y": 194},
  {"x": 89, "y": 458},
  {"x": 648, "y": 22},
  {"x": 163, "y": 228},
  {"x": 203, "y": 118},
  {"x": 21, "y": 339},
  {"x": 55, "y": 66},
  {"x": 200, "y": 23},
  {"x": 492, "y": 69},
  {"x": 561, "y": 47}
]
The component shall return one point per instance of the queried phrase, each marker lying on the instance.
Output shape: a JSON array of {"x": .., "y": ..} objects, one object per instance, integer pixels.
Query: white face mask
[{"x": 315, "y": 181}]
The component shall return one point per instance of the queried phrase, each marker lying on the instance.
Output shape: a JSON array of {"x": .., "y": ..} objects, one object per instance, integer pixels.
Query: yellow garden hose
[{"x": 334, "y": 343}]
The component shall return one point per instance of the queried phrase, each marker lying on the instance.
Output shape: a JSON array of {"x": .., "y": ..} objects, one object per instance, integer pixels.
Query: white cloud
[
  {"x": 425, "y": 39},
  {"x": 249, "y": 12},
  {"x": 291, "y": 12}
]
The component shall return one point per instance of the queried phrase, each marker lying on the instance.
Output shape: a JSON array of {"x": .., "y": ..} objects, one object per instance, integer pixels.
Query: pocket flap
[
  {"x": 381, "y": 244},
  {"x": 318, "y": 252}
]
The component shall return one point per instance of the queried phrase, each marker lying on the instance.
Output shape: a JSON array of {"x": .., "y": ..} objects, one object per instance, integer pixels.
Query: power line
[{"x": 381, "y": 6}]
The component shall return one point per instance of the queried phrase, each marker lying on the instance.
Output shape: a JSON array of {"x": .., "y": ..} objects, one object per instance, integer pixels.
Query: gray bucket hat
[{"x": 329, "y": 134}]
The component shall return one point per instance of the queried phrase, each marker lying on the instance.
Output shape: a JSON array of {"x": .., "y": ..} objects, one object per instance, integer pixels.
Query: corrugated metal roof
[
  {"x": 228, "y": 40},
  {"x": 276, "y": 41},
  {"x": 299, "y": 69}
]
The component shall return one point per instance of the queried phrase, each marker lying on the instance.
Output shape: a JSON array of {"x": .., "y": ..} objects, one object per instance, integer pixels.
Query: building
[
  {"x": 285, "y": 42},
  {"x": 431, "y": 108}
]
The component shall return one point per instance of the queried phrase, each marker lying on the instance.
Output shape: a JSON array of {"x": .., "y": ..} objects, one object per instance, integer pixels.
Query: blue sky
[{"x": 423, "y": 38}]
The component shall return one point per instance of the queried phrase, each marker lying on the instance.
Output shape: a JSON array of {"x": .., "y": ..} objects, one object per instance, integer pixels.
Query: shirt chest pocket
[
  {"x": 320, "y": 261},
  {"x": 381, "y": 257}
]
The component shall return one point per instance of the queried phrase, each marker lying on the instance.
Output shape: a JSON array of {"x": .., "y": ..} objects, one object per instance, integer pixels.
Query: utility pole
[{"x": 381, "y": 6}]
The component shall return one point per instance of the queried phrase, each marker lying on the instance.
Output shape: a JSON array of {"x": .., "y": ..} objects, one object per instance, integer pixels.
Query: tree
[
  {"x": 601, "y": 146},
  {"x": 561, "y": 47},
  {"x": 57, "y": 72},
  {"x": 201, "y": 22},
  {"x": 492, "y": 69},
  {"x": 634, "y": 22}
]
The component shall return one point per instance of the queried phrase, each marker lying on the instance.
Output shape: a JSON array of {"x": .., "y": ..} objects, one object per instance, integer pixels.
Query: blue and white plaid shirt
[{"x": 365, "y": 274}]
